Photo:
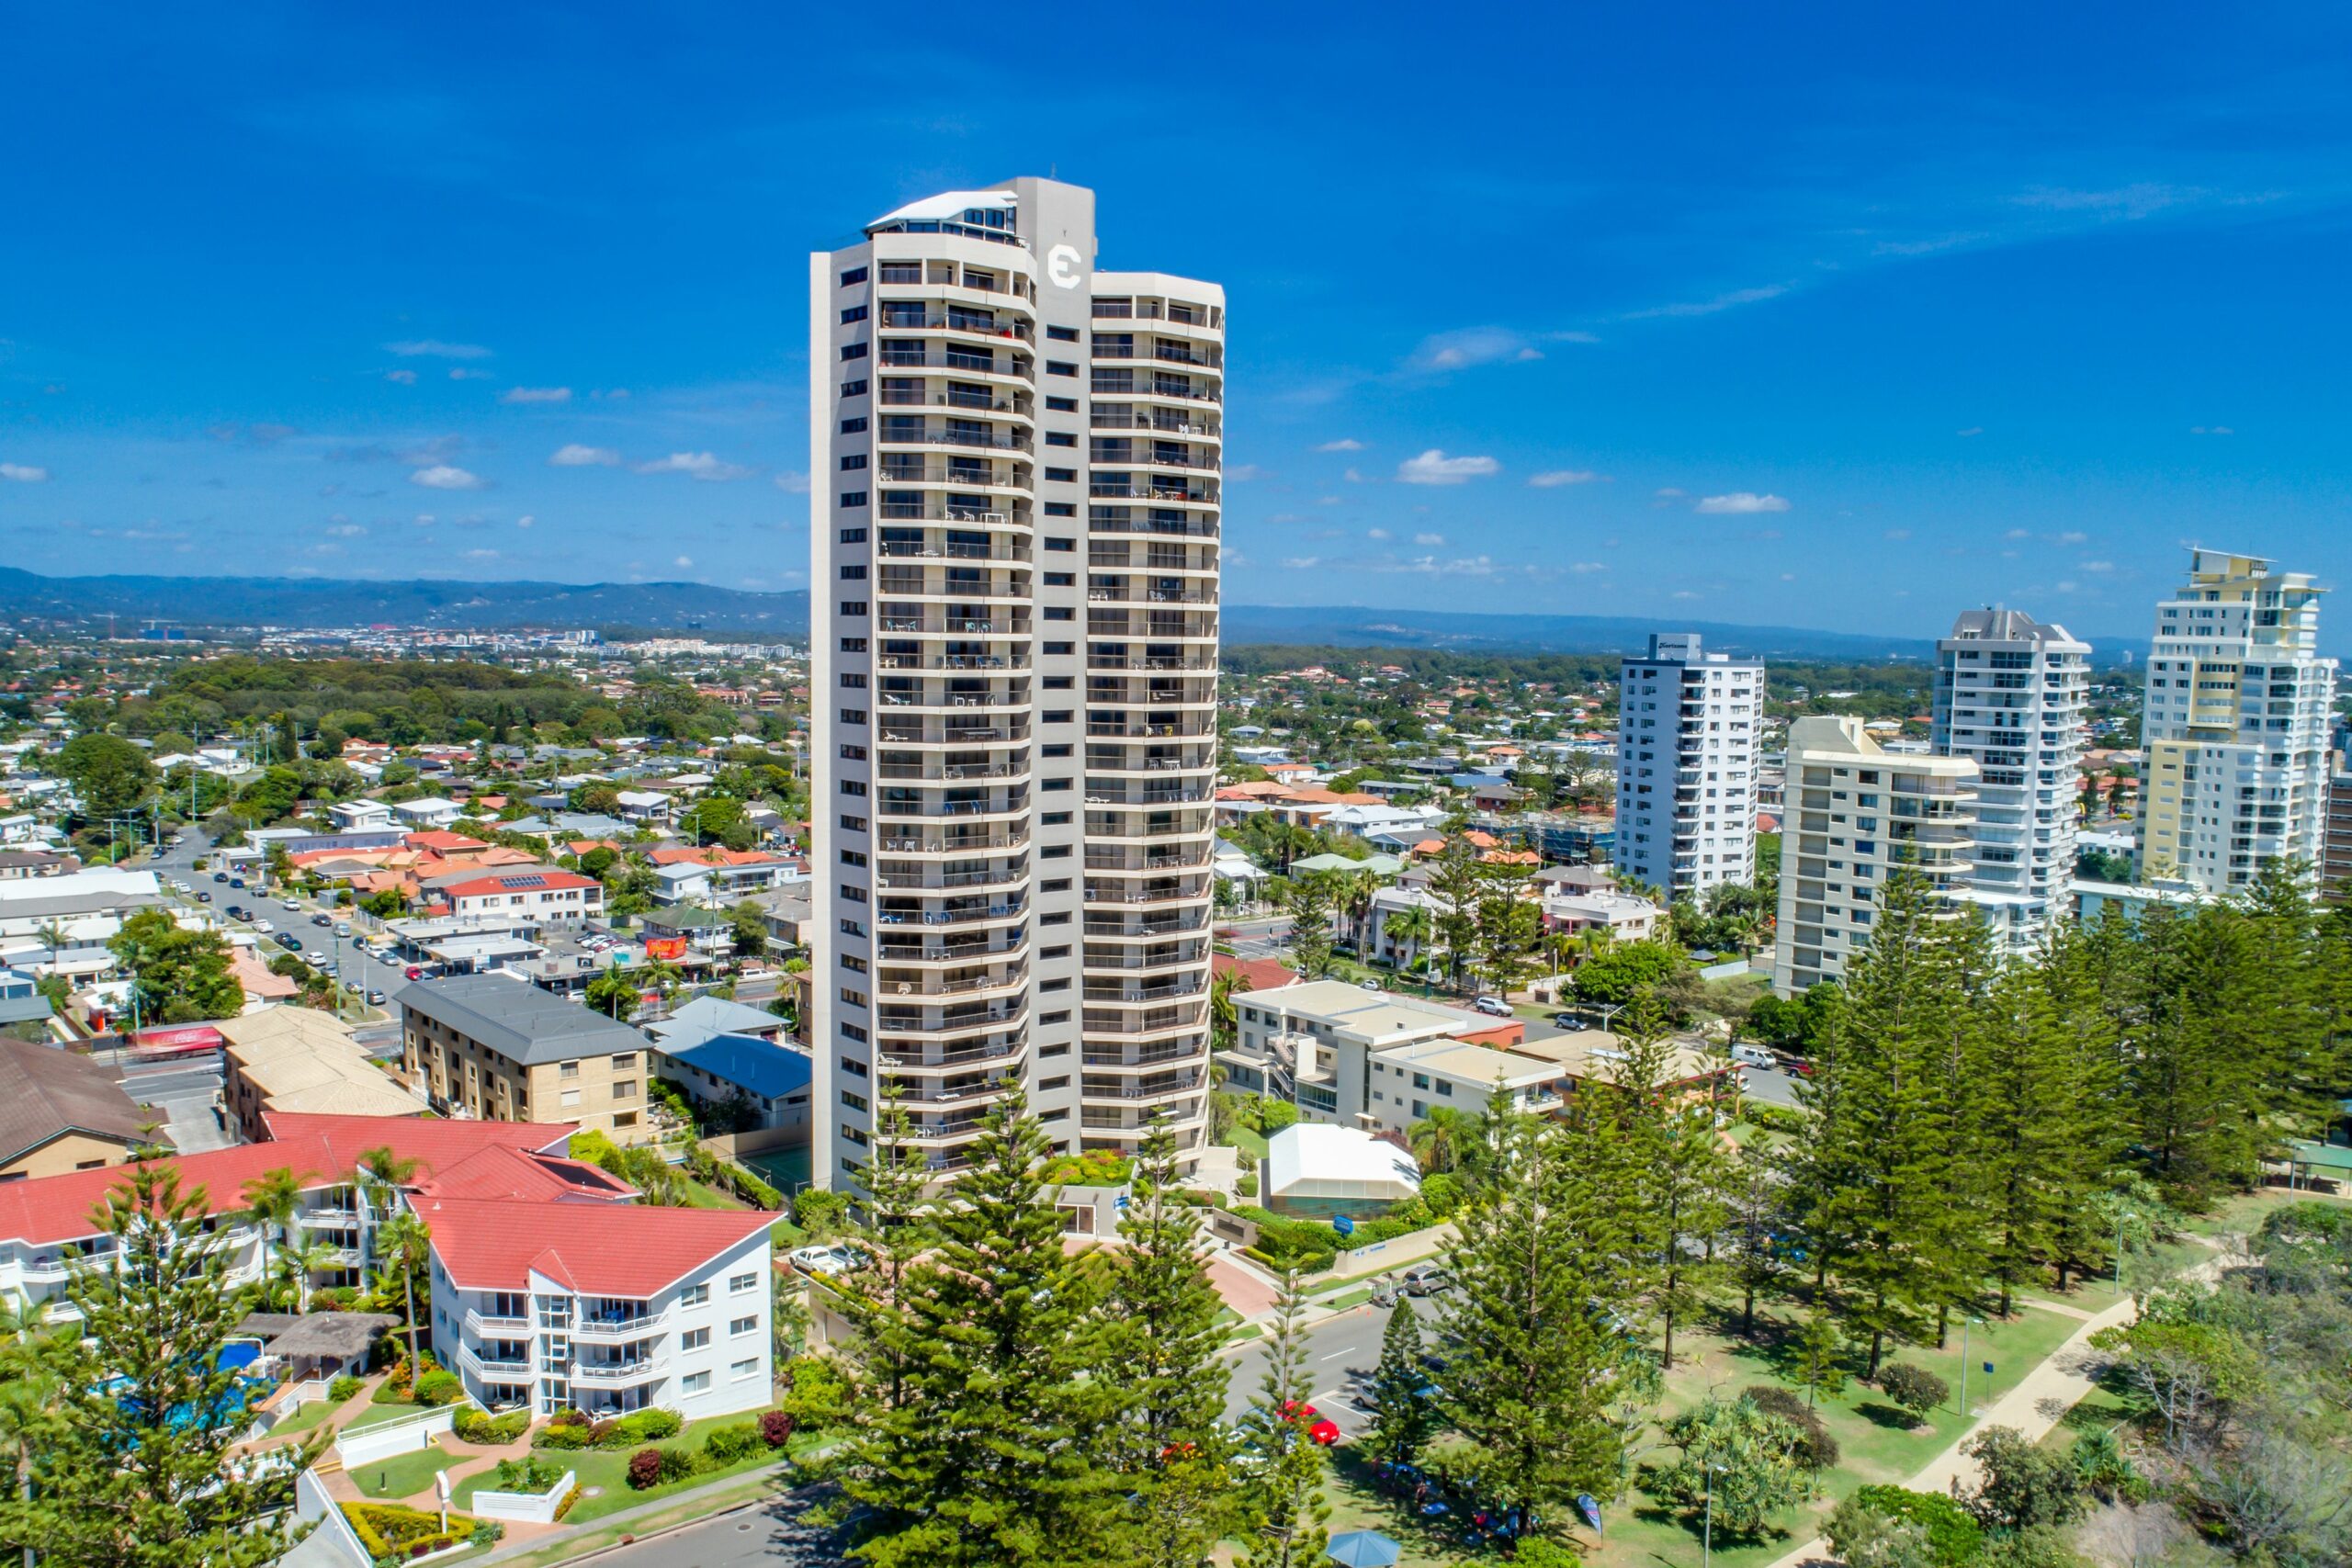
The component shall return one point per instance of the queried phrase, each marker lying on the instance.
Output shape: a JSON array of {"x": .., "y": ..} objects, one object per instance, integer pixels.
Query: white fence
[
  {"x": 525, "y": 1507},
  {"x": 405, "y": 1435},
  {"x": 334, "y": 1532}
]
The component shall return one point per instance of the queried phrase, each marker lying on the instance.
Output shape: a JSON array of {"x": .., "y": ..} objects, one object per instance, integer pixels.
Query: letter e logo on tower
[{"x": 1061, "y": 266}]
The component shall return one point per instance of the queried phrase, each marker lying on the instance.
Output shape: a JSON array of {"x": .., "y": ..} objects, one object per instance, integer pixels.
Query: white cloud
[
  {"x": 2098, "y": 566},
  {"x": 2210, "y": 430},
  {"x": 424, "y": 520},
  {"x": 2071, "y": 536},
  {"x": 1302, "y": 563},
  {"x": 1971, "y": 429},
  {"x": 525, "y": 521},
  {"x": 404, "y": 378},
  {"x": 434, "y": 348},
  {"x": 2018, "y": 534},
  {"x": 481, "y": 555},
  {"x": 537, "y": 395},
  {"x": 573, "y": 454},
  {"x": 1551, "y": 478},
  {"x": 1585, "y": 568},
  {"x": 1684, "y": 593},
  {"x": 695, "y": 465},
  {"x": 1243, "y": 473},
  {"x": 684, "y": 560},
  {"x": 443, "y": 476},
  {"x": 1376, "y": 534},
  {"x": 1473, "y": 345},
  {"x": 1345, "y": 443},
  {"x": 1738, "y": 502},
  {"x": 347, "y": 530},
  {"x": 2128, "y": 201},
  {"x": 1434, "y": 467},
  {"x": 1430, "y": 540},
  {"x": 1467, "y": 566},
  {"x": 1737, "y": 297},
  {"x": 796, "y": 484},
  {"x": 22, "y": 473},
  {"x": 464, "y": 375},
  {"x": 1898, "y": 534}
]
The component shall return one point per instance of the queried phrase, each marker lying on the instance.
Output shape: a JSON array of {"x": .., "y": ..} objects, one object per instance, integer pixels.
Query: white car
[
  {"x": 1493, "y": 1007},
  {"x": 825, "y": 1260},
  {"x": 1753, "y": 1057},
  {"x": 263, "y": 926},
  {"x": 291, "y": 904}
]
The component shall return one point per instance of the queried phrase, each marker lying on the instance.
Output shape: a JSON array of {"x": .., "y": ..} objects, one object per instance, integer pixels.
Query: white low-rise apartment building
[
  {"x": 605, "y": 1308},
  {"x": 1406, "y": 1082},
  {"x": 1315, "y": 1045}
]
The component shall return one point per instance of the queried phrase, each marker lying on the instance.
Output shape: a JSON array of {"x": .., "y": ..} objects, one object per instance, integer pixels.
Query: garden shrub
[
  {"x": 645, "y": 1469},
  {"x": 393, "y": 1530},
  {"x": 1773, "y": 1118},
  {"x": 530, "y": 1473},
  {"x": 564, "y": 1437},
  {"x": 738, "y": 1440},
  {"x": 751, "y": 1189},
  {"x": 486, "y": 1532},
  {"x": 343, "y": 1388},
  {"x": 1818, "y": 1447},
  {"x": 439, "y": 1388},
  {"x": 775, "y": 1428},
  {"x": 569, "y": 1498},
  {"x": 1954, "y": 1540},
  {"x": 1244, "y": 1187},
  {"x": 658, "y": 1422},
  {"x": 1916, "y": 1389},
  {"x": 679, "y": 1463},
  {"x": 471, "y": 1425}
]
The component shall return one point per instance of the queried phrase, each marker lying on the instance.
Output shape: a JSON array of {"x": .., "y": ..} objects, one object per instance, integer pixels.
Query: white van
[{"x": 1753, "y": 1057}]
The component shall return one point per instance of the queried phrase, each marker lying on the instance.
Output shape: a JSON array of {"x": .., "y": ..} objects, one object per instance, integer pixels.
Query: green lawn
[
  {"x": 402, "y": 1474},
  {"x": 1878, "y": 1443},
  {"x": 702, "y": 1195},
  {"x": 784, "y": 1235},
  {"x": 1250, "y": 1143},
  {"x": 306, "y": 1419},
  {"x": 604, "y": 1473}
]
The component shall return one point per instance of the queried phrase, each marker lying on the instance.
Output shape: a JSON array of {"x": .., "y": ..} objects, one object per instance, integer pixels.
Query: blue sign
[
  {"x": 1120, "y": 1203},
  {"x": 1590, "y": 1508},
  {"x": 1344, "y": 1224},
  {"x": 1988, "y": 1369}
]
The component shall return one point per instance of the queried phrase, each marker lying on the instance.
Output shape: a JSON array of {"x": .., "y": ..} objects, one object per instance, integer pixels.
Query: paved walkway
[{"x": 2040, "y": 1401}]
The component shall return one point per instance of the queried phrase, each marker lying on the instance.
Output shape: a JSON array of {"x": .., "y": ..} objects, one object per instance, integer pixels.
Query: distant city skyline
[{"x": 1851, "y": 325}]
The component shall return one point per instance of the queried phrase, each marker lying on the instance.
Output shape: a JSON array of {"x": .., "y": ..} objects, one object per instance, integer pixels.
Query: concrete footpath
[{"x": 2040, "y": 1401}]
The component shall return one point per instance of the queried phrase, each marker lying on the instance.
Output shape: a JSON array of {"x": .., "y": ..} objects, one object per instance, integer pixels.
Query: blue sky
[{"x": 1838, "y": 317}]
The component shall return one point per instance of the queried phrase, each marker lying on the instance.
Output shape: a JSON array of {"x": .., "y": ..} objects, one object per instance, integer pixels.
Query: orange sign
[{"x": 665, "y": 947}]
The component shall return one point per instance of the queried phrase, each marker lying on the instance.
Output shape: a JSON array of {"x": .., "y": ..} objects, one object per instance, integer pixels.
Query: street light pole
[
  {"x": 1965, "y": 1325},
  {"x": 1707, "y": 1546}
]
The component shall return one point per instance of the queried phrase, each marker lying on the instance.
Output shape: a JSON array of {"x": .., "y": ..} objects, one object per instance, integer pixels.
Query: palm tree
[
  {"x": 291, "y": 1271},
  {"x": 1441, "y": 1139},
  {"x": 405, "y": 1245},
  {"x": 273, "y": 1199},
  {"x": 52, "y": 937},
  {"x": 1408, "y": 927},
  {"x": 1222, "y": 1018}
]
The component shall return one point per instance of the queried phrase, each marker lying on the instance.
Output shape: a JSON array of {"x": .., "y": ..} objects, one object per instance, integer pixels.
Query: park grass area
[
  {"x": 402, "y": 1474},
  {"x": 1878, "y": 1443},
  {"x": 373, "y": 1414},
  {"x": 1347, "y": 1299},
  {"x": 1250, "y": 1143},
  {"x": 308, "y": 1419}
]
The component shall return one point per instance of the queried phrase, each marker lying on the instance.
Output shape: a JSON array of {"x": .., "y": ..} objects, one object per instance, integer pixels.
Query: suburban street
[
  {"x": 770, "y": 1534},
  {"x": 1339, "y": 1350}
]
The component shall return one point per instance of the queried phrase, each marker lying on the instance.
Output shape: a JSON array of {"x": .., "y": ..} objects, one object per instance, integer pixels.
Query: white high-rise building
[
  {"x": 1687, "y": 725},
  {"x": 2009, "y": 695},
  {"x": 1014, "y": 619},
  {"x": 1854, "y": 815},
  {"x": 2235, "y": 725}
]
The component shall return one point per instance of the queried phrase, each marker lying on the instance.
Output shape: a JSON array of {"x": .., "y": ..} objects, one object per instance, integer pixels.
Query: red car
[
  {"x": 414, "y": 973},
  {"x": 1322, "y": 1431}
]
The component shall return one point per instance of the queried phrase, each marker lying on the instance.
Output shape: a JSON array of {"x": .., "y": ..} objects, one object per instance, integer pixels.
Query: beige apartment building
[
  {"x": 503, "y": 1050},
  {"x": 1856, "y": 815}
]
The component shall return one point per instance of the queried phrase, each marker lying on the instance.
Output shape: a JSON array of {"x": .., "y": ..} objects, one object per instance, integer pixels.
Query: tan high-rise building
[
  {"x": 2235, "y": 725},
  {"x": 1015, "y": 618},
  {"x": 1854, "y": 815}
]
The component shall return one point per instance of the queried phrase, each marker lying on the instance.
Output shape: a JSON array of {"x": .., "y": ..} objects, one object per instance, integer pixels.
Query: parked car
[
  {"x": 204, "y": 897},
  {"x": 826, "y": 1260},
  {"x": 323, "y": 920},
  {"x": 342, "y": 927},
  {"x": 291, "y": 904},
  {"x": 289, "y": 941},
  {"x": 1426, "y": 1279},
  {"x": 1493, "y": 1007},
  {"x": 375, "y": 999},
  {"x": 219, "y": 876},
  {"x": 1749, "y": 1056},
  {"x": 1570, "y": 1023},
  {"x": 263, "y": 926},
  {"x": 238, "y": 883},
  {"x": 414, "y": 972}
]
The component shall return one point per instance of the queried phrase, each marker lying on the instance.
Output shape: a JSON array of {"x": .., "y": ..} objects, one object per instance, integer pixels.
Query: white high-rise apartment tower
[
  {"x": 1687, "y": 727},
  {"x": 1014, "y": 625},
  {"x": 2010, "y": 695},
  {"x": 2235, "y": 725}
]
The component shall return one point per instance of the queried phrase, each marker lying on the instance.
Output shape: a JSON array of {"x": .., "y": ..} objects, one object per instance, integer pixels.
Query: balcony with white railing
[
  {"x": 607, "y": 1326},
  {"x": 607, "y": 1375},
  {"x": 491, "y": 1326}
]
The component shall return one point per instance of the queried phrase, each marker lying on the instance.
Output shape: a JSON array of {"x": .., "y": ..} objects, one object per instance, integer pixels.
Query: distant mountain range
[{"x": 198, "y": 603}]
